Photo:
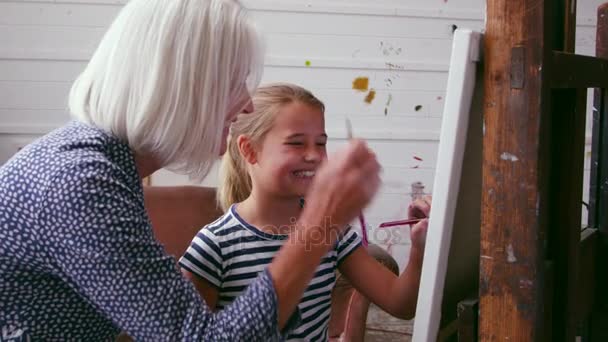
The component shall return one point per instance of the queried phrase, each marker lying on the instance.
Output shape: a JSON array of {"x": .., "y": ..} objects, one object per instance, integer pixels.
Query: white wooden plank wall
[{"x": 403, "y": 46}]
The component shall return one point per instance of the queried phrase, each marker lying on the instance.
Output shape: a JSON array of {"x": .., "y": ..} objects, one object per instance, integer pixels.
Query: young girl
[{"x": 272, "y": 157}]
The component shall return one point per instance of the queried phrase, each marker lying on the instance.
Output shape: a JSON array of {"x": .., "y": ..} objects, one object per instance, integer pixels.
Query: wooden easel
[{"x": 545, "y": 279}]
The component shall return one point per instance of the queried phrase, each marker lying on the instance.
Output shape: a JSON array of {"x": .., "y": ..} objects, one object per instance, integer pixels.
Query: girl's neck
[{"x": 273, "y": 215}]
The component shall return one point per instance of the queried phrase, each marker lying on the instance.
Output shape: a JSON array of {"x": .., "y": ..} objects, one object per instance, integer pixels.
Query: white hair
[{"x": 165, "y": 75}]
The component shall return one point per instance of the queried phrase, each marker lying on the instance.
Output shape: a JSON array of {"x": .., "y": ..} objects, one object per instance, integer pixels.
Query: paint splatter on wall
[
  {"x": 388, "y": 103},
  {"x": 418, "y": 108},
  {"x": 307, "y": 63},
  {"x": 389, "y": 50},
  {"x": 393, "y": 66},
  {"x": 417, "y": 159},
  {"x": 370, "y": 96},
  {"x": 361, "y": 84}
]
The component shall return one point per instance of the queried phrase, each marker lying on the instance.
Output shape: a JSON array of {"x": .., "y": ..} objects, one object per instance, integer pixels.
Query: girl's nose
[{"x": 312, "y": 155}]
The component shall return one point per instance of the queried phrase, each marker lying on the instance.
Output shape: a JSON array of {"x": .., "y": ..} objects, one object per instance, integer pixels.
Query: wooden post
[
  {"x": 569, "y": 10},
  {"x": 564, "y": 174},
  {"x": 598, "y": 194},
  {"x": 561, "y": 169},
  {"x": 512, "y": 234},
  {"x": 531, "y": 251}
]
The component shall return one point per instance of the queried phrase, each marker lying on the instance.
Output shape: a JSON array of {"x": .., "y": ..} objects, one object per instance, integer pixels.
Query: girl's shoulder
[{"x": 223, "y": 227}]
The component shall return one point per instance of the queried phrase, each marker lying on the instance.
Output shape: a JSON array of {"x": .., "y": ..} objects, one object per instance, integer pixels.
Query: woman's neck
[
  {"x": 274, "y": 215},
  {"x": 146, "y": 165}
]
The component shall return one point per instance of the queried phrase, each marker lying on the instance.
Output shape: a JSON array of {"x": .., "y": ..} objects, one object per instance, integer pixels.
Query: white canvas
[{"x": 453, "y": 210}]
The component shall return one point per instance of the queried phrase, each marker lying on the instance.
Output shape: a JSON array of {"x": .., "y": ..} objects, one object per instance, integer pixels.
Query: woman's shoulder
[
  {"x": 69, "y": 155},
  {"x": 80, "y": 144},
  {"x": 74, "y": 162},
  {"x": 70, "y": 145},
  {"x": 77, "y": 152}
]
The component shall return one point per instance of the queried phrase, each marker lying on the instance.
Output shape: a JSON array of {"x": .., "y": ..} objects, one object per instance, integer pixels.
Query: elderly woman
[{"x": 78, "y": 259}]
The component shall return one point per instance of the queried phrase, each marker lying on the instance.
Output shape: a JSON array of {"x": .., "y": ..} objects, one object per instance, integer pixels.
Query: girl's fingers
[{"x": 420, "y": 208}]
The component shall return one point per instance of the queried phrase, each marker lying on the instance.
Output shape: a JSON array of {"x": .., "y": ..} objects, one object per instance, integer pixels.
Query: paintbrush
[
  {"x": 400, "y": 223},
  {"x": 349, "y": 136}
]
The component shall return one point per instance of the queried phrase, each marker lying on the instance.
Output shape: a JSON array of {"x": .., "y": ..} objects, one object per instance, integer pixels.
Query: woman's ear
[{"x": 246, "y": 149}]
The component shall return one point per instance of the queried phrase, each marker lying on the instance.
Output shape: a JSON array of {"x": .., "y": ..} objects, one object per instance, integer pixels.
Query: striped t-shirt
[{"x": 229, "y": 254}]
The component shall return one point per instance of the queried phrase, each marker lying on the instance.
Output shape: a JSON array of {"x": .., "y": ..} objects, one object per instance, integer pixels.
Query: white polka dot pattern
[{"x": 78, "y": 259}]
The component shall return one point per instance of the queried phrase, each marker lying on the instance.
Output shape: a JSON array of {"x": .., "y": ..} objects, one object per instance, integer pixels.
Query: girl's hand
[
  {"x": 420, "y": 208},
  {"x": 344, "y": 185},
  {"x": 418, "y": 234}
]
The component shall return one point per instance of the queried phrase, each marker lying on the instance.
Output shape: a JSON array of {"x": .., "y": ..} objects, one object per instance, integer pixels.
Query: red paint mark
[{"x": 417, "y": 158}]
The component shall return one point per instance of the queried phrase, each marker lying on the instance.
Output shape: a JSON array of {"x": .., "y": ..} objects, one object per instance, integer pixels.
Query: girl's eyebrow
[{"x": 297, "y": 135}]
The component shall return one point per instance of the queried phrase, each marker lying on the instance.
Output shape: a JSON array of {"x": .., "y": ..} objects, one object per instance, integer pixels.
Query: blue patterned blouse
[{"x": 79, "y": 261}]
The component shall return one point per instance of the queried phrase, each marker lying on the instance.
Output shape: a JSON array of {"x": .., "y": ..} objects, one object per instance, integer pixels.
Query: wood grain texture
[{"x": 511, "y": 231}]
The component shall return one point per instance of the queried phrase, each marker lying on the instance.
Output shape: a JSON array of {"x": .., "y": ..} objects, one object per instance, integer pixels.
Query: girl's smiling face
[{"x": 290, "y": 153}]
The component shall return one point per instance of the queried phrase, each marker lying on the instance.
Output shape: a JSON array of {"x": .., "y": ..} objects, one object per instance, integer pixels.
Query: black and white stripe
[{"x": 230, "y": 253}]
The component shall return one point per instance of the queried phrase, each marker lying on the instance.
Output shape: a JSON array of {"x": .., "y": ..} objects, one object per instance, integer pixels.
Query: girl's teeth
[{"x": 304, "y": 174}]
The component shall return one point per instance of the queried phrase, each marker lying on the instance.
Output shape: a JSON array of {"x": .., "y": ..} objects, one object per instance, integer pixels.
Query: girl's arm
[
  {"x": 395, "y": 295},
  {"x": 204, "y": 288}
]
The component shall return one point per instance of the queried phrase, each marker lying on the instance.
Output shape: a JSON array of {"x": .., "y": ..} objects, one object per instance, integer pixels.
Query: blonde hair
[
  {"x": 235, "y": 182},
  {"x": 166, "y": 74}
]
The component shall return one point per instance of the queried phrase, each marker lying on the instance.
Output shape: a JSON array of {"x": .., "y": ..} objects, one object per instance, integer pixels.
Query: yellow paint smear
[
  {"x": 361, "y": 83},
  {"x": 370, "y": 96}
]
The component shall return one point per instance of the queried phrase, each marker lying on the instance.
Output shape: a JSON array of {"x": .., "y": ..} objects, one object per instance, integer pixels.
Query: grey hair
[{"x": 166, "y": 74}]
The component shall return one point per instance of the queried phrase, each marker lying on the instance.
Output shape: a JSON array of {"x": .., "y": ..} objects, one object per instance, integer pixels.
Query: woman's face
[{"x": 244, "y": 106}]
